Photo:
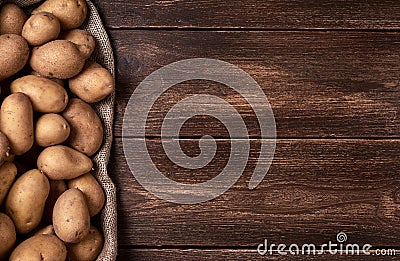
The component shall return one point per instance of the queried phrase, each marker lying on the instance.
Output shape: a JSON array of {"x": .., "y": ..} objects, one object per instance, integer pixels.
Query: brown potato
[
  {"x": 85, "y": 41},
  {"x": 57, "y": 187},
  {"x": 26, "y": 199},
  {"x": 41, "y": 28},
  {"x": 46, "y": 95},
  {"x": 88, "y": 249},
  {"x": 92, "y": 84},
  {"x": 8, "y": 172},
  {"x": 91, "y": 189},
  {"x": 47, "y": 230},
  {"x": 59, "y": 81},
  {"x": 4, "y": 148},
  {"x": 14, "y": 52},
  {"x": 40, "y": 247},
  {"x": 71, "y": 13},
  {"x": 12, "y": 19},
  {"x": 86, "y": 128},
  {"x": 61, "y": 162},
  {"x": 8, "y": 236},
  {"x": 51, "y": 129},
  {"x": 10, "y": 158},
  {"x": 71, "y": 219},
  {"x": 57, "y": 59},
  {"x": 17, "y": 122}
]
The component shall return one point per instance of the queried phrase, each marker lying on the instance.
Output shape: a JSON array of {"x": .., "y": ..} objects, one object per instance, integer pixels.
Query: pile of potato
[{"x": 48, "y": 132}]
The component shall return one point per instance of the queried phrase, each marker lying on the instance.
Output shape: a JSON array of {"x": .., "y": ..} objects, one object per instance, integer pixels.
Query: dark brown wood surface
[
  {"x": 330, "y": 70},
  {"x": 319, "y": 84},
  {"x": 313, "y": 190},
  {"x": 254, "y": 14},
  {"x": 231, "y": 254}
]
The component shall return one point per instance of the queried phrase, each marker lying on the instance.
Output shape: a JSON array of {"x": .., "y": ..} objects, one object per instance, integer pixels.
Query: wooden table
[{"x": 331, "y": 71}]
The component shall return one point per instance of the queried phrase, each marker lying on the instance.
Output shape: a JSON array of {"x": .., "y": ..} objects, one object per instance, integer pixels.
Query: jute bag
[{"x": 103, "y": 55}]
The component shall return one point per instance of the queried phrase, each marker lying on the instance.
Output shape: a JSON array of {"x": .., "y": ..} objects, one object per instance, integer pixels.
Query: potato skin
[
  {"x": 93, "y": 83},
  {"x": 51, "y": 129},
  {"x": 88, "y": 249},
  {"x": 57, "y": 187},
  {"x": 47, "y": 230},
  {"x": 46, "y": 95},
  {"x": 8, "y": 236},
  {"x": 41, "y": 28},
  {"x": 86, "y": 128},
  {"x": 71, "y": 219},
  {"x": 14, "y": 54},
  {"x": 17, "y": 122},
  {"x": 71, "y": 13},
  {"x": 91, "y": 189},
  {"x": 12, "y": 19},
  {"x": 39, "y": 248},
  {"x": 62, "y": 162},
  {"x": 4, "y": 148},
  {"x": 26, "y": 199},
  {"x": 83, "y": 39},
  {"x": 59, "y": 81},
  {"x": 57, "y": 59},
  {"x": 8, "y": 172},
  {"x": 10, "y": 158}
]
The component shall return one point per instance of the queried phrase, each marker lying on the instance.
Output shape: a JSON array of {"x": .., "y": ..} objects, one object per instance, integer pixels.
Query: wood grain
[
  {"x": 229, "y": 254},
  {"x": 335, "y": 96},
  {"x": 313, "y": 190},
  {"x": 319, "y": 84},
  {"x": 254, "y": 14}
]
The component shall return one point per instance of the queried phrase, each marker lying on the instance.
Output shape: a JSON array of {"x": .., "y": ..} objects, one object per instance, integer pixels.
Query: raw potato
[
  {"x": 8, "y": 172},
  {"x": 57, "y": 59},
  {"x": 12, "y": 19},
  {"x": 86, "y": 128},
  {"x": 92, "y": 190},
  {"x": 14, "y": 52},
  {"x": 51, "y": 129},
  {"x": 71, "y": 219},
  {"x": 40, "y": 248},
  {"x": 47, "y": 230},
  {"x": 71, "y": 13},
  {"x": 26, "y": 199},
  {"x": 41, "y": 28},
  {"x": 4, "y": 149},
  {"x": 88, "y": 249},
  {"x": 8, "y": 236},
  {"x": 46, "y": 95},
  {"x": 61, "y": 162},
  {"x": 83, "y": 39},
  {"x": 47, "y": 192},
  {"x": 16, "y": 123},
  {"x": 59, "y": 81},
  {"x": 57, "y": 187},
  {"x": 10, "y": 158},
  {"x": 93, "y": 83}
]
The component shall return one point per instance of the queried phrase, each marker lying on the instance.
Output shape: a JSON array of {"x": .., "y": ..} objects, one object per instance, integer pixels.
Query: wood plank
[
  {"x": 313, "y": 190},
  {"x": 319, "y": 84},
  {"x": 229, "y": 254},
  {"x": 255, "y": 14}
]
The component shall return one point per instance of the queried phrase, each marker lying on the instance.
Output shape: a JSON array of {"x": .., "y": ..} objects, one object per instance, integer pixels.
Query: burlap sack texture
[{"x": 103, "y": 55}]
